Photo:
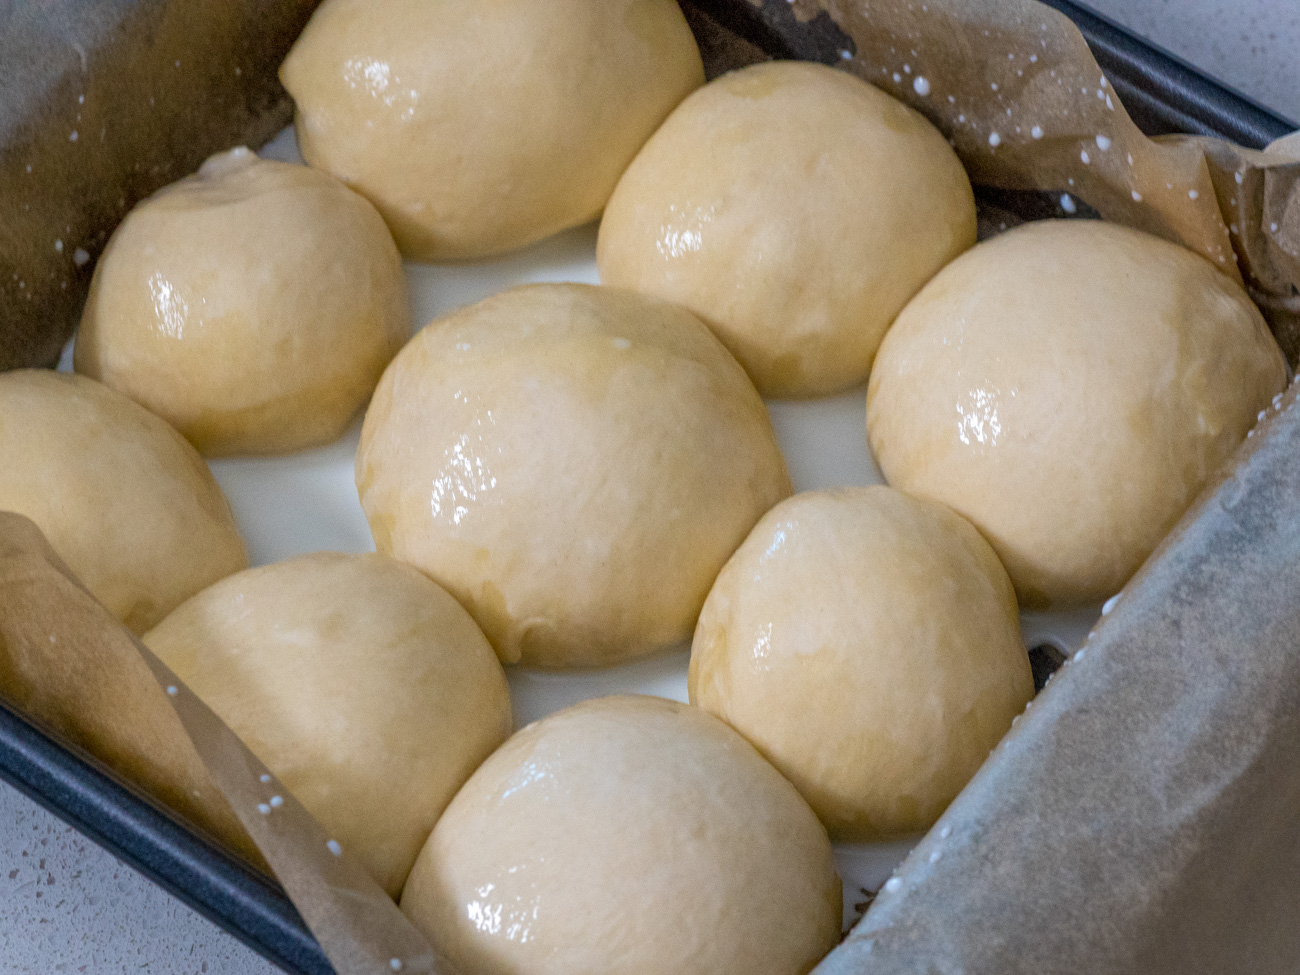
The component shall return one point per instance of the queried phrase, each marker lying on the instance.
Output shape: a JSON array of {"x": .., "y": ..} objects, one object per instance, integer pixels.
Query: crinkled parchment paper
[
  {"x": 1143, "y": 818},
  {"x": 68, "y": 664}
]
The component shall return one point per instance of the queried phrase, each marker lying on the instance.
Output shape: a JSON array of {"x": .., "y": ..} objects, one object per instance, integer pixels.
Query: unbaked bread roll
[
  {"x": 480, "y": 127},
  {"x": 363, "y": 686},
  {"x": 573, "y": 463},
  {"x": 1070, "y": 386},
  {"x": 252, "y": 305},
  {"x": 627, "y": 835},
  {"x": 796, "y": 209},
  {"x": 867, "y": 644},
  {"x": 122, "y": 498}
]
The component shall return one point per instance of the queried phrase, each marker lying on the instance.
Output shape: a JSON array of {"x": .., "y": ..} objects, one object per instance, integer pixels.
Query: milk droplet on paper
[
  {"x": 277, "y": 802},
  {"x": 994, "y": 86},
  {"x": 1103, "y": 142},
  {"x": 1079, "y": 656},
  {"x": 264, "y": 778},
  {"x": 1109, "y": 604},
  {"x": 1084, "y": 157},
  {"x": 80, "y": 257},
  {"x": 58, "y": 245},
  {"x": 1238, "y": 177},
  {"x": 1036, "y": 132},
  {"x": 907, "y": 69},
  {"x": 846, "y": 55},
  {"x": 72, "y": 137},
  {"x": 897, "y": 77},
  {"x": 1033, "y": 59},
  {"x": 333, "y": 847},
  {"x": 264, "y": 809},
  {"x": 1067, "y": 203},
  {"x": 934, "y": 857},
  {"x": 1272, "y": 227},
  {"x": 396, "y": 963},
  {"x": 893, "y": 885},
  {"x": 945, "y": 832},
  {"x": 1137, "y": 197},
  {"x": 1192, "y": 194},
  {"x": 173, "y": 690},
  {"x": 921, "y": 85},
  {"x": 995, "y": 140}
]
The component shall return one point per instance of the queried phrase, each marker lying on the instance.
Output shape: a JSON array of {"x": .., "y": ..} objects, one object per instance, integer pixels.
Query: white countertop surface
[{"x": 68, "y": 906}]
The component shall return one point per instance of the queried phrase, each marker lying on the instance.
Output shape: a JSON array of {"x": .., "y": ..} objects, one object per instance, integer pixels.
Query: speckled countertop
[{"x": 68, "y": 906}]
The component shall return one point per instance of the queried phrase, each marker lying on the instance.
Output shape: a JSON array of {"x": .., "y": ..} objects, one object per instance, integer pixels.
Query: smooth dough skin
[
  {"x": 796, "y": 209},
  {"x": 627, "y": 836},
  {"x": 252, "y": 305},
  {"x": 121, "y": 497},
  {"x": 1070, "y": 387},
  {"x": 364, "y": 687},
  {"x": 475, "y": 127},
  {"x": 867, "y": 644},
  {"x": 573, "y": 463}
]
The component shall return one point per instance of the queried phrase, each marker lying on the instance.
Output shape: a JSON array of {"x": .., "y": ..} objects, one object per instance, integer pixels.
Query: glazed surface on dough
[
  {"x": 123, "y": 499},
  {"x": 627, "y": 836},
  {"x": 364, "y": 687},
  {"x": 253, "y": 306},
  {"x": 867, "y": 644},
  {"x": 1069, "y": 387},
  {"x": 573, "y": 463},
  {"x": 795, "y": 209},
  {"x": 477, "y": 128}
]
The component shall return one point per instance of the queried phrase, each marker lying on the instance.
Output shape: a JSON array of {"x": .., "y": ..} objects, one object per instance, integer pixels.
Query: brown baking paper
[
  {"x": 1144, "y": 816},
  {"x": 68, "y": 664},
  {"x": 101, "y": 103},
  {"x": 1141, "y": 819}
]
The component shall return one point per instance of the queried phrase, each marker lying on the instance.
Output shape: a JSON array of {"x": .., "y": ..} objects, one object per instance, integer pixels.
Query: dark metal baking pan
[{"x": 1162, "y": 93}]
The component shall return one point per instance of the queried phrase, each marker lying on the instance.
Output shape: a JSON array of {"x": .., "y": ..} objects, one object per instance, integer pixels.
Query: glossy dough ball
[
  {"x": 627, "y": 836},
  {"x": 253, "y": 306},
  {"x": 573, "y": 463},
  {"x": 480, "y": 127},
  {"x": 1070, "y": 387},
  {"x": 363, "y": 686},
  {"x": 121, "y": 497},
  {"x": 867, "y": 644},
  {"x": 796, "y": 209}
]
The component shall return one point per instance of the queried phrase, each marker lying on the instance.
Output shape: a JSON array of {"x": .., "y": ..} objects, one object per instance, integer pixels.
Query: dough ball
[
  {"x": 573, "y": 463},
  {"x": 252, "y": 305},
  {"x": 479, "y": 127},
  {"x": 627, "y": 836},
  {"x": 867, "y": 644},
  {"x": 796, "y": 209},
  {"x": 1070, "y": 387},
  {"x": 363, "y": 686},
  {"x": 121, "y": 497}
]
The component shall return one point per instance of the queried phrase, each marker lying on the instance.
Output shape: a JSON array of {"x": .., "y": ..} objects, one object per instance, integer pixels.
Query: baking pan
[{"x": 1161, "y": 93}]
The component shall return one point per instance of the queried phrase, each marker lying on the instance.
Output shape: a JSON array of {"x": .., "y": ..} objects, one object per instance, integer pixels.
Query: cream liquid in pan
[{"x": 307, "y": 502}]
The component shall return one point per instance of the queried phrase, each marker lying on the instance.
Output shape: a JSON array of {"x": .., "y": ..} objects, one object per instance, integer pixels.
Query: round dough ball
[
  {"x": 252, "y": 305},
  {"x": 867, "y": 644},
  {"x": 575, "y": 464},
  {"x": 364, "y": 687},
  {"x": 1070, "y": 387},
  {"x": 479, "y": 127},
  {"x": 796, "y": 209},
  {"x": 627, "y": 836},
  {"x": 121, "y": 497}
]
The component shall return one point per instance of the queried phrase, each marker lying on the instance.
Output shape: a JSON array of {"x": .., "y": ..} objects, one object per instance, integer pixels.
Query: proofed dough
[
  {"x": 796, "y": 209},
  {"x": 480, "y": 127},
  {"x": 627, "y": 836},
  {"x": 867, "y": 644},
  {"x": 573, "y": 463},
  {"x": 364, "y": 687},
  {"x": 252, "y": 305},
  {"x": 1070, "y": 386},
  {"x": 120, "y": 495}
]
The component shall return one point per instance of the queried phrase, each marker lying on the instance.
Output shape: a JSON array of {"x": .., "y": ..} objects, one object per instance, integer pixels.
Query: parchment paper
[
  {"x": 101, "y": 103},
  {"x": 1143, "y": 817},
  {"x": 67, "y": 663}
]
